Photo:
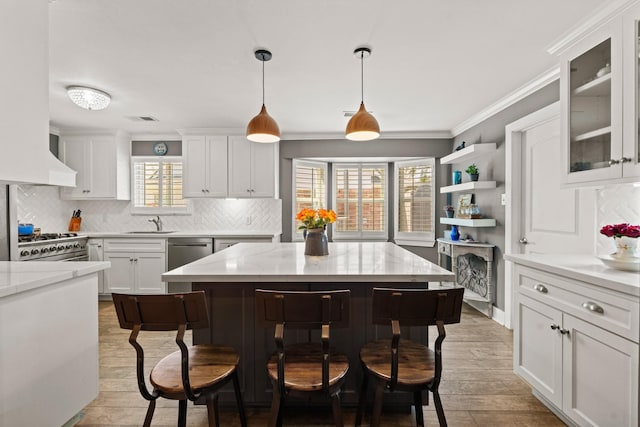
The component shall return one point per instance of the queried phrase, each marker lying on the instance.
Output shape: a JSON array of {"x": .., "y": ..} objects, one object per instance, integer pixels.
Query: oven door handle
[{"x": 77, "y": 258}]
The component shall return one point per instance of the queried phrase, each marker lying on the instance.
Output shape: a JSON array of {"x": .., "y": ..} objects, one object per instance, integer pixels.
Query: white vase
[{"x": 626, "y": 248}]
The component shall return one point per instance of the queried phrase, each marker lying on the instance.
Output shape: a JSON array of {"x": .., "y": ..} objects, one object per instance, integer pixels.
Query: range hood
[
  {"x": 24, "y": 104},
  {"x": 32, "y": 163}
]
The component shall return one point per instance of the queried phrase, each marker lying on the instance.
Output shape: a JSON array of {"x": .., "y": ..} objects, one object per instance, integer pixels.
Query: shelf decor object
[
  {"x": 362, "y": 126},
  {"x": 263, "y": 128},
  {"x": 88, "y": 98}
]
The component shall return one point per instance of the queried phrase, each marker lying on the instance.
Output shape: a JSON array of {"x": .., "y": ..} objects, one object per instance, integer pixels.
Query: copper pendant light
[
  {"x": 362, "y": 126},
  {"x": 263, "y": 128}
]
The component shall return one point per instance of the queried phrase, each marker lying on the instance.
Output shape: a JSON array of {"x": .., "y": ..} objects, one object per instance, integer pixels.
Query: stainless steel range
[{"x": 53, "y": 247}]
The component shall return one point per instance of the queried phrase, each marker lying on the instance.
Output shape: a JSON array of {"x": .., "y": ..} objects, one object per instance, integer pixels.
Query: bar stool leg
[
  {"x": 150, "y": 409},
  {"x": 377, "y": 405},
  {"x": 362, "y": 400},
  {"x": 182, "y": 413},
  {"x": 239, "y": 400},
  {"x": 417, "y": 402},
  {"x": 337, "y": 410}
]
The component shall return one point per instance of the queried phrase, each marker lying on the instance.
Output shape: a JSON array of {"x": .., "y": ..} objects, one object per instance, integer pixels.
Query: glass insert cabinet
[{"x": 600, "y": 103}]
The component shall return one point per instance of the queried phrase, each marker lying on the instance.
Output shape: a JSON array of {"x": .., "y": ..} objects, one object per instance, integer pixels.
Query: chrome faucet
[{"x": 158, "y": 222}]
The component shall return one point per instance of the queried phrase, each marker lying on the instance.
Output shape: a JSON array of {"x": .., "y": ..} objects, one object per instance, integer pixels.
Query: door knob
[{"x": 523, "y": 240}]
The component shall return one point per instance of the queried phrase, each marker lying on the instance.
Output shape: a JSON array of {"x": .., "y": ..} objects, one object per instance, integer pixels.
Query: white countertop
[
  {"x": 171, "y": 234},
  {"x": 17, "y": 276},
  {"x": 286, "y": 262},
  {"x": 586, "y": 268}
]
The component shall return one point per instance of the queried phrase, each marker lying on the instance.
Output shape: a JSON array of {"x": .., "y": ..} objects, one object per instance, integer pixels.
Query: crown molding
[
  {"x": 436, "y": 134},
  {"x": 155, "y": 137},
  {"x": 522, "y": 92},
  {"x": 600, "y": 17},
  {"x": 211, "y": 131}
]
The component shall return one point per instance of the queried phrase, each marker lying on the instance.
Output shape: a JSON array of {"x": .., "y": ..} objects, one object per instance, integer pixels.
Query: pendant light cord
[
  {"x": 263, "y": 79},
  {"x": 362, "y": 77}
]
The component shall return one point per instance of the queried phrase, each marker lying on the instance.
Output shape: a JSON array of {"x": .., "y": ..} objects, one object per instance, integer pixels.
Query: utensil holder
[{"x": 74, "y": 224}]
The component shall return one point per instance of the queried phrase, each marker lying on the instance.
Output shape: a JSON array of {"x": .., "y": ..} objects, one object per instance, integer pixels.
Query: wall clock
[{"x": 159, "y": 148}]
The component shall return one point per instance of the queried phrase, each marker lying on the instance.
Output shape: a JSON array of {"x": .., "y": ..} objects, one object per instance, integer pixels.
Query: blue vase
[{"x": 455, "y": 235}]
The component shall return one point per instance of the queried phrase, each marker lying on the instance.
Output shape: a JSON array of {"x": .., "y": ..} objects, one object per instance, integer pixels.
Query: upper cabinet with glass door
[
  {"x": 631, "y": 106},
  {"x": 599, "y": 97},
  {"x": 591, "y": 98}
]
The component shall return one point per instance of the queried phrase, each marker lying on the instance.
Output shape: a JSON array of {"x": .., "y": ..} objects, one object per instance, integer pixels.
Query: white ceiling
[{"x": 190, "y": 63}]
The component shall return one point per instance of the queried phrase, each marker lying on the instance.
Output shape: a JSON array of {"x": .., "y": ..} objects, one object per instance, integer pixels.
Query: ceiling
[{"x": 190, "y": 63}]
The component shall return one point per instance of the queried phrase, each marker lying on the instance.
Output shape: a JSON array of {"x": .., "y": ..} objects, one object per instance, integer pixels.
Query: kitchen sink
[{"x": 150, "y": 232}]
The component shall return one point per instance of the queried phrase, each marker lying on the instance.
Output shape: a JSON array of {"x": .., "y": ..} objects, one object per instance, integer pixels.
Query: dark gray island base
[
  {"x": 232, "y": 313},
  {"x": 230, "y": 278}
]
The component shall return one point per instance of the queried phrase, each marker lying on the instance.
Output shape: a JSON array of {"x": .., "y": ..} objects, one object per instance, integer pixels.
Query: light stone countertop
[
  {"x": 172, "y": 234},
  {"x": 586, "y": 268},
  {"x": 17, "y": 276},
  {"x": 286, "y": 262}
]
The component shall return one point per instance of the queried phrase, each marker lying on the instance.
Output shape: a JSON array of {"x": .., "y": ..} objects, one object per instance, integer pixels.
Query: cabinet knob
[
  {"x": 564, "y": 331},
  {"x": 613, "y": 162},
  {"x": 523, "y": 240},
  {"x": 541, "y": 288},
  {"x": 626, "y": 160},
  {"x": 130, "y": 259},
  {"x": 554, "y": 326},
  {"x": 592, "y": 306}
]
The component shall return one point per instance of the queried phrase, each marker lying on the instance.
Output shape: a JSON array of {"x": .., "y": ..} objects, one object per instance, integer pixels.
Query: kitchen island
[{"x": 230, "y": 278}]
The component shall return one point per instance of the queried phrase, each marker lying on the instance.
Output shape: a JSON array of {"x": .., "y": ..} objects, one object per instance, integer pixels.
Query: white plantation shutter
[
  {"x": 415, "y": 202},
  {"x": 157, "y": 185},
  {"x": 360, "y": 201},
  {"x": 309, "y": 189}
]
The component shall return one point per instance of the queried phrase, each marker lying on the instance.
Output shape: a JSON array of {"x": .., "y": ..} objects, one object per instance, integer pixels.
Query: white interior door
[{"x": 553, "y": 219}]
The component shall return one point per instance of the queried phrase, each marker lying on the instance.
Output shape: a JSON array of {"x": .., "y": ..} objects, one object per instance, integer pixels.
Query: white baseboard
[{"x": 498, "y": 315}]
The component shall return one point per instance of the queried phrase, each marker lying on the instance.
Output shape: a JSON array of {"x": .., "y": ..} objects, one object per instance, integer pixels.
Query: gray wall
[
  {"x": 492, "y": 168},
  {"x": 383, "y": 148}
]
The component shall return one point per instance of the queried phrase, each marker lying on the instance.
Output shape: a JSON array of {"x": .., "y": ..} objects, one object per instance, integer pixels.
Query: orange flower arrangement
[{"x": 315, "y": 218}]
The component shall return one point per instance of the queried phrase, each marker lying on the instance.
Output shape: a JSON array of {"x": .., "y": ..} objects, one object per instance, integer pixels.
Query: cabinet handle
[
  {"x": 626, "y": 160},
  {"x": 554, "y": 326},
  {"x": 614, "y": 162},
  {"x": 541, "y": 288},
  {"x": 564, "y": 331},
  {"x": 592, "y": 306},
  {"x": 130, "y": 259}
]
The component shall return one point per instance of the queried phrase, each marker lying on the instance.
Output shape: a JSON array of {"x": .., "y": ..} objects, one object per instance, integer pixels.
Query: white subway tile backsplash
[
  {"x": 41, "y": 206},
  {"x": 616, "y": 204}
]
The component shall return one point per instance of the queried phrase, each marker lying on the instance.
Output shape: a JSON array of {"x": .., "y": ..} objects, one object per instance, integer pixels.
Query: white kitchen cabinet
[
  {"x": 252, "y": 168},
  {"x": 598, "y": 94},
  {"x": 205, "y": 166},
  {"x": 136, "y": 265},
  {"x": 96, "y": 253},
  {"x": 631, "y": 93},
  {"x": 102, "y": 163},
  {"x": 223, "y": 243},
  {"x": 577, "y": 345}
]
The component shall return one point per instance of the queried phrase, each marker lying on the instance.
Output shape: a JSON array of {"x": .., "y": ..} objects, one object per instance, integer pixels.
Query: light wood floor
[{"x": 478, "y": 386}]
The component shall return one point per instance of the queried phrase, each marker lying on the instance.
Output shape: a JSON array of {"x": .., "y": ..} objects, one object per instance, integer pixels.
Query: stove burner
[{"x": 45, "y": 236}]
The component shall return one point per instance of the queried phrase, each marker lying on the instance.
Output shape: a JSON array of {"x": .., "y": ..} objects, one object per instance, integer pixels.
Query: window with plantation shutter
[
  {"x": 309, "y": 189},
  {"x": 360, "y": 201},
  {"x": 157, "y": 185},
  {"x": 415, "y": 202}
]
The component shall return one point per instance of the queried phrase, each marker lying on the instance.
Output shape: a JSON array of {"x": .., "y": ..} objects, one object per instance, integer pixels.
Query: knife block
[{"x": 74, "y": 224}]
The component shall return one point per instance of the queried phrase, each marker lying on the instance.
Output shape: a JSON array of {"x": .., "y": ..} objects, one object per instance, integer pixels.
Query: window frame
[
  {"x": 140, "y": 210},
  {"x": 414, "y": 238},
  {"x": 297, "y": 236},
  {"x": 361, "y": 235}
]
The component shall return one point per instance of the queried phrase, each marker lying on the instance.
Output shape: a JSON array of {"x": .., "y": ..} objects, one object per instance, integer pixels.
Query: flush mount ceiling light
[
  {"x": 263, "y": 128},
  {"x": 362, "y": 126},
  {"x": 88, "y": 98}
]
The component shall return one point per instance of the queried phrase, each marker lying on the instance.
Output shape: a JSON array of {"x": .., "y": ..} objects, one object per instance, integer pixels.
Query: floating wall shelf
[
  {"x": 466, "y": 186},
  {"x": 469, "y": 153},
  {"x": 483, "y": 222}
]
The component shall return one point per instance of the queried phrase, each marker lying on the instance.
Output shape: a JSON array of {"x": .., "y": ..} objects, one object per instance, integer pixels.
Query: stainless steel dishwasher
[{"x": 183, "y": 250}]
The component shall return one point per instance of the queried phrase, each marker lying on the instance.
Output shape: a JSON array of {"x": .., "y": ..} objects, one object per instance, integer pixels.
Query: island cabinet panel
[{"x": 233, "y": 320}]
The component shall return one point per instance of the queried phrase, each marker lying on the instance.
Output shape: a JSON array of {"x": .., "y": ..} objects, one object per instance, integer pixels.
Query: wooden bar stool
[
  {"x": 309, "y": 368},
  {"x": 402, "y": 365},
  {"x": 189, "y": 373}
]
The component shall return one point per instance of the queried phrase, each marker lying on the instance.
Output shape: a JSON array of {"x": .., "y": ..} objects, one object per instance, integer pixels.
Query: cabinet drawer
[
  {"x": 616, "y": 313},
  {"x": 443, "y": 248},
  {"x": 135, "y": 245}
]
